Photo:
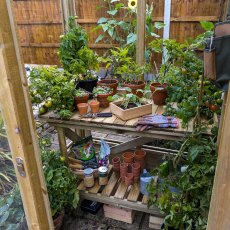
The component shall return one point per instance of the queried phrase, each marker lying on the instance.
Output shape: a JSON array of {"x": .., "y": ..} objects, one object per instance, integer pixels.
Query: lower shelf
[{"x": 116, "y": 193}]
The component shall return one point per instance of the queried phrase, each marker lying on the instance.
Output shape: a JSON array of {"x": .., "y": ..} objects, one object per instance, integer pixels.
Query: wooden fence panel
[{"x": 39, "y": 23}]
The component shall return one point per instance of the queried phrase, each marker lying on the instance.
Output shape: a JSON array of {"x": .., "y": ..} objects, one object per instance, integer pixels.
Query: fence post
[
  {"x": 18, "y": 117},
  {"x": 141, "y": 21},
  {"x": 68, "y": 9}
]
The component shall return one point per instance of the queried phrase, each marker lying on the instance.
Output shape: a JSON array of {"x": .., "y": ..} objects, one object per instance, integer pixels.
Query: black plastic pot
[{"x": 87, "y": 85}]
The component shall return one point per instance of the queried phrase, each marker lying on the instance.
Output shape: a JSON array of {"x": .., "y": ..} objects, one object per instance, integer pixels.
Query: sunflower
[{"x": 132, "y": 4}]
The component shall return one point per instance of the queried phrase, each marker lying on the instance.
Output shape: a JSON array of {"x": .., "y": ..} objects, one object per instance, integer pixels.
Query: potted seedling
[
  {"x": 159, "y": 93},
  {"x": 77, "y": 58},
  {"x": 102, "y": 93},
  {"x": 128, "y": 105},
  {"x": 81, "y": 96}
]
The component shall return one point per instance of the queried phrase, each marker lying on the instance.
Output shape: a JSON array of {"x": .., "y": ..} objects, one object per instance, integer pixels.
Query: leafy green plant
[
  {"x": 182, "y": 70},
  {"x": 121, "y": 64},
  {"x": 101, "y": 90},
  {"x": 60, "y": 182},
  {"x": 129, "y": 98},
  {"x": 80, "y": 93},
  {"x": 75, "y": 55},
  {"x": 12, "y": 214},
  {"x": 7, "y": 174},
  {"x": 183, "y": 191},
  {"x": 124, "y": 32},
  {"x": 52, "y": 89}
]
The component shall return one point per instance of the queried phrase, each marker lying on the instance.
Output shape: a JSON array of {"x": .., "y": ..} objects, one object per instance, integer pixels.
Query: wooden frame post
[
  {"x": 68, "y": 9},
  {"x": 17, "y": 113},
  {"x": 141, "y": 21}
]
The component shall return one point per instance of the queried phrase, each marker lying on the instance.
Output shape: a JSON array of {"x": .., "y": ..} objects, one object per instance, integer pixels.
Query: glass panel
[{"x": 12, "y": 214}]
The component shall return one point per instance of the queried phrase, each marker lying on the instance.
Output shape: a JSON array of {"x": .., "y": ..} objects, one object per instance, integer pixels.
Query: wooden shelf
[{"x": 116, "y": 193}]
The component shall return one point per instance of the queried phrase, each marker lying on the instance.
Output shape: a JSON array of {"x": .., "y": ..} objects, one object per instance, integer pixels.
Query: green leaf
[
  {"x": 207, "y": 25},
  {"x": 131, "y": 38},
  {"x": 99, "y": 38},
  {"x": 112, "y": 12},
  {"x": 50, "y": 175},
  {"x": 194, "y": 152},
  {"x": 159, "y": 25},
  {"x": 118, "y": 6},
  {"x": 4, "y": 217},
  {"x": 111, "y": 31},
  {"x": 154, "y": 35},
  {"x": 102, "y": 20}
]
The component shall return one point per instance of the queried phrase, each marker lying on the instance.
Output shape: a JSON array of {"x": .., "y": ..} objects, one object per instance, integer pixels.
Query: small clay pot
[
  {"x": 139, "y": 155},
  {"x": 142, "y": 163},
  {"x": 102, "y": 98},
  {"x": 159, "y": 93},
  {"x": 123, "y": 178},
  {"x": 94, "y": 106},
  {"x": 136, "y": 179},
  {"x": 116, "y": 168},
  {"x": 136, "y": 174},
  {"x": 58, "y": 222},
  {"x": 128, "y": 157},
  {"x": 135, "y": 87},
  {"x": 116, "y": 160},
  {"x": 123, "y": 169},
  {"x": 78, "y": 100},
  {"x": 136, "y": 167},
  {"x": 128, "y": 179},
  {"x": 83, "y": 108},
  {"x": 111, "y": 83}
]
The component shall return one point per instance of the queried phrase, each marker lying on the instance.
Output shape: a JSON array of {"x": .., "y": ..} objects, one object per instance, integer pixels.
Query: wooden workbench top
[{"x": 114, "y": 124}]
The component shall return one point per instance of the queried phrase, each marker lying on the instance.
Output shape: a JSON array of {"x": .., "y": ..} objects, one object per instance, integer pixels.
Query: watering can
[{"x": 145, "y": 179}]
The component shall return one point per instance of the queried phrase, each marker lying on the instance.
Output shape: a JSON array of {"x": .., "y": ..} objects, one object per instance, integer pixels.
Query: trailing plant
[
  {"x": 183, "y": 193},
  {"x": 12, "y": 214},
  {"x": 60, "y": 182},
  {"x": 52, "y": 89},
  {"x": 184, "y": 186},
  {"x": 182, "y": 70}
]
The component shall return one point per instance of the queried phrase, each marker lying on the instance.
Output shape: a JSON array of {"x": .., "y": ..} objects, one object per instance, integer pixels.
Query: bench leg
[{"x": 62, "y": 142}]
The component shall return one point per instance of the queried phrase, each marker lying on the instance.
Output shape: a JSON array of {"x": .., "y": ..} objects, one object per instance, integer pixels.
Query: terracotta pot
[
  {"x": 78, "y": 100},
  {"x": 102, "y": 98},
  {"x": 136, "y": 179},
  {"x": 128, "y": 157},
  {"x": 83, "y": 108},
  {"x": 128, "y": 179},
  {"x": 139, "y": 155},
  {"x": 123, "y": 169},
  {"x": 134, "y": 87},
  {"x": 136, "y": 174},
  {"x": 58, "y": 222},
  {"x": 136, "y": 167},
  {"x": 123, "y": 178},
  {"x": 142, "y": 163},
  {"x": 111, "y": 83},
  {"x": 116, "y": 160},
  {"x": 159, "y": 93},
  {"x": 94, "y": 106}
]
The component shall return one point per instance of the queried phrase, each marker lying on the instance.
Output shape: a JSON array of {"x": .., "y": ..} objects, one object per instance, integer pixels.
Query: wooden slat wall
[{"x": 39, "y": 23}]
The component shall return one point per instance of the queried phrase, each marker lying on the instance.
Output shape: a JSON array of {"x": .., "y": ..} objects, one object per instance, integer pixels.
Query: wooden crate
[
  {"x": 130, "y": 113},
  {"x": 121, "y": 214},
  {"x": 155, "y": 222}
]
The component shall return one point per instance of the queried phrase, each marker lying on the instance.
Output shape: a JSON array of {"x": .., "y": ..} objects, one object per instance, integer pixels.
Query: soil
[{"x": 130, "y": 106}]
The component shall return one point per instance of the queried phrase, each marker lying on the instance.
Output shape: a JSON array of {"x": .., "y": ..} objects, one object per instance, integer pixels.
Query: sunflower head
[{"x": 132, "y": 4}]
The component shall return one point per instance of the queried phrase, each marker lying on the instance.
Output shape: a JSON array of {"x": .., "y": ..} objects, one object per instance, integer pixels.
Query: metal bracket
[{"x": 20, "y": 166}]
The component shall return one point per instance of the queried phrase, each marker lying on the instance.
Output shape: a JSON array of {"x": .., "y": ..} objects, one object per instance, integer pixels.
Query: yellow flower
[{"x": 132, "y": 4}]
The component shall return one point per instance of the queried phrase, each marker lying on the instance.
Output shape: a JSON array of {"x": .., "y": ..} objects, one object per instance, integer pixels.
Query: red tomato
[{"x": 213, "y": 108}]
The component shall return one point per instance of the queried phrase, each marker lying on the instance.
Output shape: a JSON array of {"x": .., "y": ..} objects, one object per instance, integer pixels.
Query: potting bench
[{"x": 115, "y": 192}]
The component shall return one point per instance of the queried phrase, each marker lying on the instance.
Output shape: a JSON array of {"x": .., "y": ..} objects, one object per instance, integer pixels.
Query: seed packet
[{"x": 84, "y": 150}]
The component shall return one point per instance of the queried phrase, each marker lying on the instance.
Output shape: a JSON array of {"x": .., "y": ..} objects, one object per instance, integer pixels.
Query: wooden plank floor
[{"x": 117, "y": 193}]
